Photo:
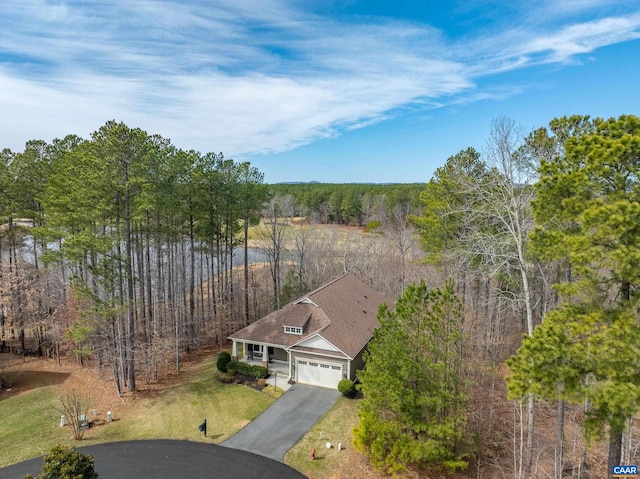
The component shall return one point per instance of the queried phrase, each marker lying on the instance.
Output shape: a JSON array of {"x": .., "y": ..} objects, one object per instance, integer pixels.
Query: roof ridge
[{"x": 320, "y": 288}]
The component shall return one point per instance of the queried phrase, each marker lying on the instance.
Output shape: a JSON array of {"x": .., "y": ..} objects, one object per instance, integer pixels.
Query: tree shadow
[{"x": 16, "y": 382}]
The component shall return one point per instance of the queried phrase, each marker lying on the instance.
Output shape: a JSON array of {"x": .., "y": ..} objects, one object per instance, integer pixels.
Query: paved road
[
  {"x": 281, "y": 426},
  {"x": 166, "y": 459}
]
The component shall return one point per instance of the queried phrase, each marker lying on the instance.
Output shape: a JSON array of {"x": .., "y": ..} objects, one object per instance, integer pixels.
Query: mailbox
[{"x": 203, "y": 427}]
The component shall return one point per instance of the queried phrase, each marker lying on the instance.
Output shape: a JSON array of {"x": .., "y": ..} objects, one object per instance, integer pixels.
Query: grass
[
  {"x": 30, "y": 425},
  {"x": 334, "y": 427},
  {"x": 31, "y": 421},
  {"x": 327, "y": 232},
  {"x": 273, "y": 392}
]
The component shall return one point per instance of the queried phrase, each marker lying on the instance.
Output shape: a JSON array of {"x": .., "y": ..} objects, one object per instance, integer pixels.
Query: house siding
[
  {"x": 279, "y": 354},
  {"x": 357, "y": 364}
]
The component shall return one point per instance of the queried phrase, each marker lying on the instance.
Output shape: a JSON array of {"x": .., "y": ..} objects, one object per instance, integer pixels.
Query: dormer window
[{"x": 293, "y": 330}]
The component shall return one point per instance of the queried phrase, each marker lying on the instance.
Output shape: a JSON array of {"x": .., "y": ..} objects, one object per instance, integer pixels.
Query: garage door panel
[{"x": 319, "y": 373}]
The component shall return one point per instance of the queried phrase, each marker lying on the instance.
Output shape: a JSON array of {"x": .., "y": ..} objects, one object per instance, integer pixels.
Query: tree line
[
  {"x": 142, "y": 232},
  {"x": 350, "y": 203}
]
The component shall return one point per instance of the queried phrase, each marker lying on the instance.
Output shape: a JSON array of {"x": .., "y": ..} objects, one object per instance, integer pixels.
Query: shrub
[
  {"x": 260, "y": 372},
  {"x": 262, "y": 382},
  {"x": 347, "y": 388},
  {"x": 224, "y": 358},
  {"x": 248, "y": 370},
  {"x": 372, "y": 225},
  {"x": 67, "y": 463}
]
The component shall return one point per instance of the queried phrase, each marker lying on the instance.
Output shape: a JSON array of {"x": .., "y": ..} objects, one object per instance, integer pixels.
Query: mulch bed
[{"x": 245, "y": 381}]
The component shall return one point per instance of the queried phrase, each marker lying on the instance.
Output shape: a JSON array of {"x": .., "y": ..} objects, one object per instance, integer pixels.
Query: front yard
[{"x": 173, "y": 410}]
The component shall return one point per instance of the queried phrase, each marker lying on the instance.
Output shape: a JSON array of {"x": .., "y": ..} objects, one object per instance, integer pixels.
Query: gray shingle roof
[{"x": 344, "y": 312}]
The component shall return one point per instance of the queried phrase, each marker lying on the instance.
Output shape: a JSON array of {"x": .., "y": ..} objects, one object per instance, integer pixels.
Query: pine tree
[
  {"x": 414, "y": 406},
  {"x": 588, "y": 213}
]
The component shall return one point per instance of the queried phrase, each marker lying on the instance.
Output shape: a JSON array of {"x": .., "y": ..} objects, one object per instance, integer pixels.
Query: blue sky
[{"x": 332, "y": 91}]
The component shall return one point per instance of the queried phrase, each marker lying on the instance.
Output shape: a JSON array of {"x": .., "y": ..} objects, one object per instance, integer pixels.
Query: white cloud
[
  {"x": 247, "y": 77},
  {"x": 523, "y": 46},
  {"x": 553, "y": 8}
]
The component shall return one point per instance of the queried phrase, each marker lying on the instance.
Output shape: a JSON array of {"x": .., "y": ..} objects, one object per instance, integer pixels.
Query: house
[{"x": 320, "y": 337}]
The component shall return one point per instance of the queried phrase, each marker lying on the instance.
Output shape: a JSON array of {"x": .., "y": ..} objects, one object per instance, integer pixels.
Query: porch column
[
  {"x": 265, "y": 356},
  {"x": 290, "y": 368},
  {"x": 234, "y": 351}
]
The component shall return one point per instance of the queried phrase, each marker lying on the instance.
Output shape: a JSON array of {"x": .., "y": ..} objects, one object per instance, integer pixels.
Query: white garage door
[{"x": 319, "y": 373}]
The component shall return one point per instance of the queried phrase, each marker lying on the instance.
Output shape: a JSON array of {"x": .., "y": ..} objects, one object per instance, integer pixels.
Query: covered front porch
[
  {"x": 275, "y": 358},
  {"x": 280, "y": 367},
  {"x": 278, "y": 373}
]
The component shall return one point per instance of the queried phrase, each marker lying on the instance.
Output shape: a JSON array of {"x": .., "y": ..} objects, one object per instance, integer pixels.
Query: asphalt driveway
[
  {"x": 166, "y": 459},
  {"x": 284, "y": 423}
]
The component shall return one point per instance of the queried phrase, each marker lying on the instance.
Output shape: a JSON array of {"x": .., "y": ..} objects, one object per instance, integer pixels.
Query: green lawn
[
  {"x": 30, "y": 425},
  {"x": 30, "y": 422},
  {"x": 334, "y": 427}
]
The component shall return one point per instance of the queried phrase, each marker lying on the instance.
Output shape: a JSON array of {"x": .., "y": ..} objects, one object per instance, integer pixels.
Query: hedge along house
[{"x": 321, "y": 336}]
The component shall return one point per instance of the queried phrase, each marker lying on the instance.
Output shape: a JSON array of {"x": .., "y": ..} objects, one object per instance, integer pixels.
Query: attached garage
[{"x": 318, "y": 373}]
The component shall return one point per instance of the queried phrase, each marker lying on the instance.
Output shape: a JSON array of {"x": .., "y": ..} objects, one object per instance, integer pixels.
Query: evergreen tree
[
  {"x": 414, "y": 406},
  {"x": 588, "y": 211}
]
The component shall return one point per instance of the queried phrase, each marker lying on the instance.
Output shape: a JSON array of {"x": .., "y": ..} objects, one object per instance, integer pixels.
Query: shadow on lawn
[{"x": 17, "y": 382}]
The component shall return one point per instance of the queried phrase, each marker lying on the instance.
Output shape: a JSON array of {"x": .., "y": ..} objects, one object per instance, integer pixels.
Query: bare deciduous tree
[
  {"x": 75, "y": 408},
  {"x": 276, "y": 213}
]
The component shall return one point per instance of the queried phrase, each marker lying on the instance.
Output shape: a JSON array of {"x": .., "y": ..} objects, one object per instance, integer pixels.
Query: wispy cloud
[
  {"x": 247, "y": 77},
  {"x": 584, "y": 38}
]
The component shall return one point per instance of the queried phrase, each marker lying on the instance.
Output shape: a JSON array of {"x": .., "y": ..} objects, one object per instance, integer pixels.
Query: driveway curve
[
  {"x": 284, "y": 423},
  {"x": 168, "y": 459}
]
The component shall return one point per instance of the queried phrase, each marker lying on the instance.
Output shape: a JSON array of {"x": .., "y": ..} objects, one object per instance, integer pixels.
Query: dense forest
[
  {"x": 549, "y": 221},
  {"x": 126, "y": 251},
  {"x": 351, "y": 204}
]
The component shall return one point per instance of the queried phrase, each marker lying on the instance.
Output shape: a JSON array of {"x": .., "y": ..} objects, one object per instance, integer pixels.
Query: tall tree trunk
[
  {"x": 150, "y": 315},
  {"x": 171, "y": 301},
  {"x": 200, "y": 309},
  {"x": 131, "y": 332},
  {"x": 192, "y": 278},
  {"x": 246, "y": 268},
  {"x": 615, "y": 449},
  {"x": 559, "y": 449},
  {"x": 142, "y": 280}
]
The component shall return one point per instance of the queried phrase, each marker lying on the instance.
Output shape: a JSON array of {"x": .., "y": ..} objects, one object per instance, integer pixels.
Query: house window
[
  {"x": 326, "y": 366},
  {"x": 313, "y": 364},
  {"x": 293, "y": 330},
  {"x": 254, "y": 350},
  {"x": 336, "y": 368}
]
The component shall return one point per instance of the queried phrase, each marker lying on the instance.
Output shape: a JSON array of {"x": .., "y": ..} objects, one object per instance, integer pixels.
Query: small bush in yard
[
  {"x": 65, "y": 463},
  {"x": 248, "y": 370},
  {"x": 224, "y": 358},
  {"x": 347, "y": 388}
]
